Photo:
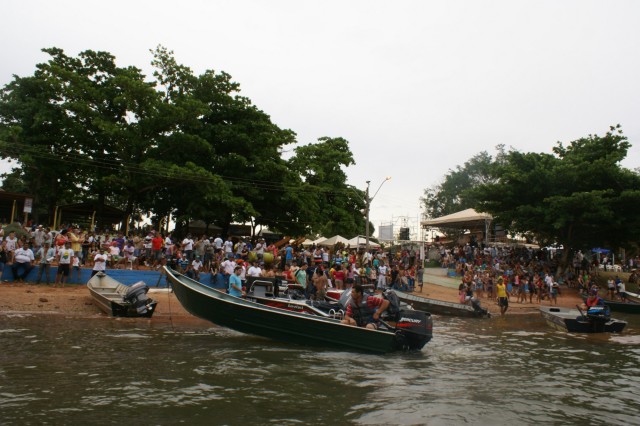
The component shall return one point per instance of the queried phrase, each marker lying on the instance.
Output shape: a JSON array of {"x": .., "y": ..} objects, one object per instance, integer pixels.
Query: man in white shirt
[
  {"x": 260, "y": 248},
  {"x": 196, "y": 265},
  {"x": 187, "y": 247},
  {"x": 228, "y": 248},
  {"x": 23, "y": 262},
  {"x": 218, "y": 244},
  {"x": 228, "y": 266},
  {"x": 382, "y": 276},
  {"x": 65, "y": 256},
  {"x": 99, "y": 262},
  {"x": 254, "y": 270}
]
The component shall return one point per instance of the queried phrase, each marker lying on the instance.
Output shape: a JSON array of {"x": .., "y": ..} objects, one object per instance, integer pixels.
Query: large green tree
[
  {"x": 327, "y": 203},
  {"x": 178, "y": 144},
  {"x": 454, "y": 193},
  {"x": 578, "y": 196}
]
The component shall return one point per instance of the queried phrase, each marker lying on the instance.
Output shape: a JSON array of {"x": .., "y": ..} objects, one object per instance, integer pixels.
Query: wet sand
[{"x": 75, "y": 300}]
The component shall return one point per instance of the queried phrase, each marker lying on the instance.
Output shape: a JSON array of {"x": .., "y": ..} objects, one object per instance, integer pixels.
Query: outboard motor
[
  {"x": 414, "y": 329},
  {"x": 137, "y": 297}
]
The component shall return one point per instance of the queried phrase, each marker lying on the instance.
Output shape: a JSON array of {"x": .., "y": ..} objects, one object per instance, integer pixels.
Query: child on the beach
[{"x": 76, "y": 268}]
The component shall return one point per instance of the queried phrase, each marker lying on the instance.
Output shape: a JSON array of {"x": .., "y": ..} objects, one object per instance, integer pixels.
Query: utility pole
[
  {"x": 367, "y": 207},
  {"x": 368, "y": 201}
]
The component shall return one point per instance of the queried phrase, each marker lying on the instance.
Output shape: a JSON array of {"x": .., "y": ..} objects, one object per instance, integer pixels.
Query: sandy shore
[{"x": 75, "y": 300}]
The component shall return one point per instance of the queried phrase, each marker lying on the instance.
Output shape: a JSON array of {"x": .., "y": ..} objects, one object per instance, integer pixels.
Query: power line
[{"x": 14, "y": 150}]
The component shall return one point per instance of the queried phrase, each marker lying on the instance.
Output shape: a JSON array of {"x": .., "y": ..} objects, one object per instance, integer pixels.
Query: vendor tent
[
  {"x": 307, "y": 243},
  {"x": 318, "y": 240},
  {"x": 330, "y": 242},
  {"x": 360, "y": 241}
]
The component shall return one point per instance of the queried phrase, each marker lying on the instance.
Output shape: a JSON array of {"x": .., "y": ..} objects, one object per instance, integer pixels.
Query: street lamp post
[{"x": 368, "y": 205}]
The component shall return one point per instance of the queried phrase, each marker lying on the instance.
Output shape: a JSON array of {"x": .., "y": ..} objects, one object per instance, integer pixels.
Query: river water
[{"x": 68, "y": 371}]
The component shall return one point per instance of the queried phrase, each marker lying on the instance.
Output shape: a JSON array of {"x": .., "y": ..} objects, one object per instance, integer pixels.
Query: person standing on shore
[
  {"x": 76, "y": 242},
  {"x": 46, "y": 254},
  {"x": 64, "y": 264},
  {"x": 382, "y": 276},
  {"x": 503, "y": 299},
  {"x": 99, "y": 262},
  {"x": 156, "y": 250}
]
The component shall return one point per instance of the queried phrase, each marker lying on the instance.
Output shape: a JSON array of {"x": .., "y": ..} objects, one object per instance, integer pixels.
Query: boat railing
[{"x": 337, "y": 314}]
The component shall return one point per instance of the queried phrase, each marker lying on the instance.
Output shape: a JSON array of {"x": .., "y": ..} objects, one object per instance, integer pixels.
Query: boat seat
[
  {"x": 260, "y": 286},
  {"x": 260, "y": 290}
]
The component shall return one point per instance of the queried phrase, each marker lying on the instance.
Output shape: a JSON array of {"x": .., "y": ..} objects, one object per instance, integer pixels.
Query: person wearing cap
[
  {"x": 65, "y": 256},
  {"x": 503, "y": 299},
  {"x": 99, "y": 261},
  {"x": 46, "y": 254},
  {"x": 593, "y": 299}
]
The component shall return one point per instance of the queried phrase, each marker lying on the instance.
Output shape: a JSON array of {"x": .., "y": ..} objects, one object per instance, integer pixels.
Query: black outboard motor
[
  {"x": 137, "y": 297},
  {"x": 414, "y": 329}
]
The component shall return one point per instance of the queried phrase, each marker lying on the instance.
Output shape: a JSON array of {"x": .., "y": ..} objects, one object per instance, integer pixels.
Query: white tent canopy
[
  {"x": 360, "y": 241},
  {"x": 466, "y": 219},
  {"x": 307, "y": 243},
  {"x": 330, "y": 242},
  {"x": 318, "y": 240}
]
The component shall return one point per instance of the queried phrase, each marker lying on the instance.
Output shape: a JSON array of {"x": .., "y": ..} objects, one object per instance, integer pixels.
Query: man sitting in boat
[
  {"x": 593, "y": 299},
  {"x": 361, "y": 310}
]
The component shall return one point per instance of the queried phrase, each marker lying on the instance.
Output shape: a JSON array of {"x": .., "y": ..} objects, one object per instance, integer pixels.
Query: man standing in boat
[
  {"x": 235, "y": 283},
  {"x": 364, "y": 311}
]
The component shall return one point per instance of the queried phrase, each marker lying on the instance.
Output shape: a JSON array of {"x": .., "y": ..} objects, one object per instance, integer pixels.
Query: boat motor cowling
[
  {"x": 137, "y": 297},
  {"x": 414, "y": 329}
]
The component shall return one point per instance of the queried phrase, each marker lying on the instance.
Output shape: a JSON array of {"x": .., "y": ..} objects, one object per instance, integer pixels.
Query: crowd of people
[
  {"x": 523, "y": 274},
  {"x": 503, "y": 274},
  {"x": 72, "y": 248}
]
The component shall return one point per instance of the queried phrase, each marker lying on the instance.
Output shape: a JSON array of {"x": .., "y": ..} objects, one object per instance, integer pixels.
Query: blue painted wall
[{"x": 125, "y": 276}]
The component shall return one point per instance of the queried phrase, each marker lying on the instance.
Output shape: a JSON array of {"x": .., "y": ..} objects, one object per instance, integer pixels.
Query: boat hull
[
  {"x": 248, "y": 317},
  {"x": 108, "y": 295},
  {"x": 440, "y": 307},
  {"x": 572, "y": 321}
]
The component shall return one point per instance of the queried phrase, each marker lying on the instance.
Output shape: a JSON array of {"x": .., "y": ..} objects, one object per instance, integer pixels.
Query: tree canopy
[
  {"x": 83, "y": 128},
  {"x": 578, "y": 196}
]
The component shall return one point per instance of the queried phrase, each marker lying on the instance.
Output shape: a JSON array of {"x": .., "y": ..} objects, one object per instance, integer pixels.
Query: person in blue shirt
[
  {"x": 235, "y": 284},
  {"x": 288, "y": 250}
]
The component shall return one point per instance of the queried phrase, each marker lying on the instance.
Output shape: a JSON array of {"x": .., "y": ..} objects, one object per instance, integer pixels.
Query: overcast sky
[{"x": 416, "y": 87}]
